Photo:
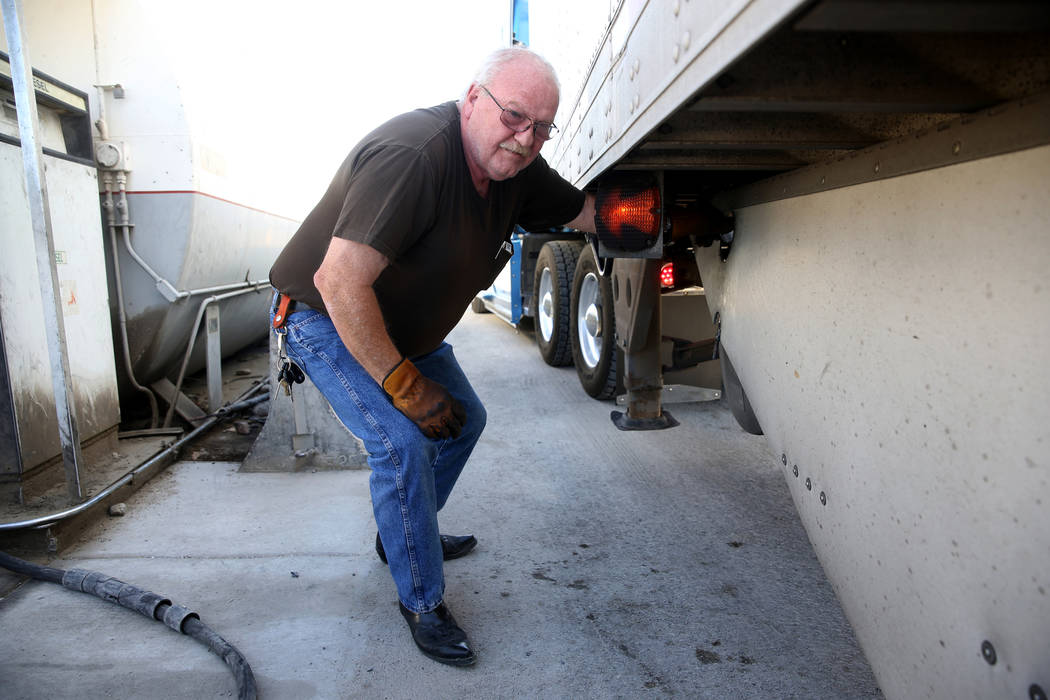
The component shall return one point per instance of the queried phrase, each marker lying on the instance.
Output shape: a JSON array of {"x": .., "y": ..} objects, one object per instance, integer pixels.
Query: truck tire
[
  {"x": 552, "y": 286},
  {"x": 736, "y": 397},
  {"x": 478, "y": 306},
  {"x": 593, "y": 328}
]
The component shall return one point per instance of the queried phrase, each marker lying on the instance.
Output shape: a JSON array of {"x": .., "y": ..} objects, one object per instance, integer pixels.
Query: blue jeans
[{"x": 412, "y": 475}]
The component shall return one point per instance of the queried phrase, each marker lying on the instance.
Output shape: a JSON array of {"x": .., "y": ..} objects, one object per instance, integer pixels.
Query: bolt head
[{"x": 988, "y": 652}]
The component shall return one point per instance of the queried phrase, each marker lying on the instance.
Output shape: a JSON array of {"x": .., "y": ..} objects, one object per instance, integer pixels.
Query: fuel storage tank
[{"x": 137, "y": 161}]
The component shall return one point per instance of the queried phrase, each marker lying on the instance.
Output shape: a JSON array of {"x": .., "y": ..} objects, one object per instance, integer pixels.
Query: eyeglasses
[{"x": 518, "y": 122}]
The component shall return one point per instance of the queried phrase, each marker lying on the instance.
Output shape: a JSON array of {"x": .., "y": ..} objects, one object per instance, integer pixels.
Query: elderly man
[{"x": 414, "y": 224}]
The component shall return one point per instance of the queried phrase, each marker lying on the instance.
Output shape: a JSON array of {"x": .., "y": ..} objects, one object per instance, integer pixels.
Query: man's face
[{"x": 492, "y": 149}]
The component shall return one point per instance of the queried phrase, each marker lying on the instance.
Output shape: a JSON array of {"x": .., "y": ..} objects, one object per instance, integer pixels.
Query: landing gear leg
[{"x": 636, "y": 291}]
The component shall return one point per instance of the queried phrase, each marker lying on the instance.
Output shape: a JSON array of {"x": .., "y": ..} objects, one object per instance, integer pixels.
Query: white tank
[
  {"x": 204, "y": 216},
  {"x": 204, "y": 208}
]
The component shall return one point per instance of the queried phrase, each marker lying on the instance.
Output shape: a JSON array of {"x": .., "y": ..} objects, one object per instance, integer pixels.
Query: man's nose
[{"x": 526, "y": 138}]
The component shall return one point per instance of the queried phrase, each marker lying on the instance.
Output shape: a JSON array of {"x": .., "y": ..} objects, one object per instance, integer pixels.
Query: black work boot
[
  {"x": 452, "y": 546},
  {"x": 438, "y": 636}
]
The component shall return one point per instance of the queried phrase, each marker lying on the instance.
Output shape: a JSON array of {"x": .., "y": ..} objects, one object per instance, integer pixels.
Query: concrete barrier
[{"x": 302, "y": 432}]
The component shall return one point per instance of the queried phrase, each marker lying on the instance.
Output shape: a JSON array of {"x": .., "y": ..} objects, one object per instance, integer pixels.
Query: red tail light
[
  {"x": 667, "y": 276},
  {"x": 628, "y": 214}
]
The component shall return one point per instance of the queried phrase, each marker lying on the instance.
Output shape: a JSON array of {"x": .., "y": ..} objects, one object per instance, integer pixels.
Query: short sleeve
[
  {"x": 390, "y": 201},
  {"x": 550, "y": 200}
]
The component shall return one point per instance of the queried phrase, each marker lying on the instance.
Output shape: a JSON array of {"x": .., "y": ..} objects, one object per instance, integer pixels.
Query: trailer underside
[{"x": 884, "y": 299}]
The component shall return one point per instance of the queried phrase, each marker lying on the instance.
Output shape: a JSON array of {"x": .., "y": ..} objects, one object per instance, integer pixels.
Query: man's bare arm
[
  {"x": 584, "y": 221},
  {"x": 345, "y": 280}
]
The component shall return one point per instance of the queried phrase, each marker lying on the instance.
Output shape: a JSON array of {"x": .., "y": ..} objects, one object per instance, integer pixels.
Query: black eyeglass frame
[{"x": 532, "y": 123}]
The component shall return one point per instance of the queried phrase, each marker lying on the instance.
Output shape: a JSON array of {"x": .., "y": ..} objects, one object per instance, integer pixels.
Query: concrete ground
[{"x": 610, "y": 565}]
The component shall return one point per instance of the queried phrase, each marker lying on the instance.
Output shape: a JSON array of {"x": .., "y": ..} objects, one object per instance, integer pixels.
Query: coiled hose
[{"x": 151, "y": 605}]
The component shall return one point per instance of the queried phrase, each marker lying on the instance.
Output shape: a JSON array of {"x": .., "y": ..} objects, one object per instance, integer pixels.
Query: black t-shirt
[{"x": 406, "y": 191}]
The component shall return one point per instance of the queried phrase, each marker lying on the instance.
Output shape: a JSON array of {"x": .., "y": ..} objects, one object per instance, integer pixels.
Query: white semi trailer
[{"x": 882, "y": 303}]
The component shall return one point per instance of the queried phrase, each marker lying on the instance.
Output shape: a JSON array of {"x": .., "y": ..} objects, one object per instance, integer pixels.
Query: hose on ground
[{"x": 153, "y": 606}]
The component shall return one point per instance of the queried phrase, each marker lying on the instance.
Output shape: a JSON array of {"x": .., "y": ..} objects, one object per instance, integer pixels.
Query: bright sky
[{"x": 288, "y": 88}]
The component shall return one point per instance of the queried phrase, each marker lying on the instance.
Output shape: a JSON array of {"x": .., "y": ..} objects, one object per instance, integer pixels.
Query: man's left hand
[{"x": 425, "y": 402}]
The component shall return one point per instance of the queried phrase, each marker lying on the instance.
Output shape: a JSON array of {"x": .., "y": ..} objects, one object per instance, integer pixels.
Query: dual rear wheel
[
  {"x": 575, "y": 322},
  {"x": 552, "y": 288}
]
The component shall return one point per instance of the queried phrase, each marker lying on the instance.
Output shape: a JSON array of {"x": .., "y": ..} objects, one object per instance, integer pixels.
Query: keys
[
  {"x": 289, "y": 374},
  {"x": 282, "y": 378}
]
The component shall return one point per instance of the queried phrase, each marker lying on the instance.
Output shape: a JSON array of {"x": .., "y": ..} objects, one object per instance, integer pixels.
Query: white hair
[{"x": 496, "y": 61}]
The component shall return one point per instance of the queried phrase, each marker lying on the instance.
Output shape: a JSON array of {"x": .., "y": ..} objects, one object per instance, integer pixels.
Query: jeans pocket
[
  {"x": 304, "y": 319},
  {"x": 312, "y": 331}
]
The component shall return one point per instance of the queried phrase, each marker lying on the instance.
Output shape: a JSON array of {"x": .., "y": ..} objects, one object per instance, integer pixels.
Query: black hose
[
  {"x": 150, "y": 604},
  {"x": 20, "y": 566}
]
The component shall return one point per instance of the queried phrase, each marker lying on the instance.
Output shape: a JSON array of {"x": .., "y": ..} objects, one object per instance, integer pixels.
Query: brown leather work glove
[{"x": 425, "y": 402}]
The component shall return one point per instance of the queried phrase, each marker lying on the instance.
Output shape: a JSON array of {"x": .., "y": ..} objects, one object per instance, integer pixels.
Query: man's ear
[{"x": 472, "y": 97}]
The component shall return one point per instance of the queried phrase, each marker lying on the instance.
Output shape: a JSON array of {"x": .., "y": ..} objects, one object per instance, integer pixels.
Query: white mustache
[{"x": 514, "y": 147}]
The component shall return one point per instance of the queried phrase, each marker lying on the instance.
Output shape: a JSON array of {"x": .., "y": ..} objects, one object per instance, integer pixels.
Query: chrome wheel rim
[
  {"x": 545, "y": 313},
  {"x": 589, "y": 321}
]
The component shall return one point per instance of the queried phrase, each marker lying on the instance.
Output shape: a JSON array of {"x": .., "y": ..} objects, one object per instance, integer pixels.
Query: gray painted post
[
  {"x": 214, "y": 357},
  {"x": 40, "y": 213}
]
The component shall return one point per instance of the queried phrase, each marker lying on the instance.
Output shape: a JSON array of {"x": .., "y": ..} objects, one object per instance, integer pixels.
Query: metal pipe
[
  {"x": 100, "y": 123},
  {"x": 173, "y": 294},
  {"x": 243, "y": 404},
  {"x": 107, "y": 205},
  {"x": 166, "y": 288},
  {"x": 230, "y": 408},
  {"x": 189, "y": 347},
  {"x": 40, "y": 217},
  {"x": 129, "y": 477},
  {"x": 246, "y": 284}
]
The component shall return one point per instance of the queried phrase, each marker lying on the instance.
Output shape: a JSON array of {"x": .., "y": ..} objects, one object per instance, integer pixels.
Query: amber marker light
[{"x": 628, "y": 215}]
